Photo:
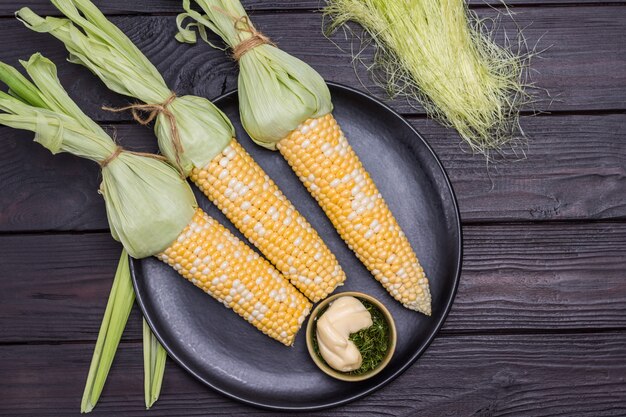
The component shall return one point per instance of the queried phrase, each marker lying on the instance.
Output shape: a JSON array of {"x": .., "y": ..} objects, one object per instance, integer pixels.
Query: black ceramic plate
[{"x": 231, "y": 356}]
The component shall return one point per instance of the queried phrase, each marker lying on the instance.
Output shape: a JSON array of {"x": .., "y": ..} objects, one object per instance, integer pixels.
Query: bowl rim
[{"x": 342, "y": 375}]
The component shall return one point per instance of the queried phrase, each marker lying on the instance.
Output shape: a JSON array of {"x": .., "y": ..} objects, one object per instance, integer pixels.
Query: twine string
[
  {"x": 243, "y": 24},
  {"x": 153, "y": 110},
  {"x": 118, "y": 150}
]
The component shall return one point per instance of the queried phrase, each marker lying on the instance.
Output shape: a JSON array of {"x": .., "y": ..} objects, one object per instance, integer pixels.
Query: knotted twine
[
  {"x": 118, "y": 150},
  {"x": 153, "y": 111},
  {"x": 243, "y": 24}
]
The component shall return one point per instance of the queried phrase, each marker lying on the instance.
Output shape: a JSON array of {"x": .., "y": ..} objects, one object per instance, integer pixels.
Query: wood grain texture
[
  {"x": 540, "y": 375},
  {"x": 575, "y": 169},
  {"x": 578, "y": 73},
  {"x": 174, "y": 6},
  {"x": 515, "y": 277}
]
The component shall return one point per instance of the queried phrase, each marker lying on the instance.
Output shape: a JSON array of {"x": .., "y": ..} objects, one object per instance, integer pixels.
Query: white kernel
[
  {"x": 223, "y": 174},
  {"x": 314, "y": 187},
  {"x": 318, "y": 256},
  {"x": 215, "y": 281},
  {"x": 305, "y": 144},
  {"x": 334, "y": 183},
  {"x": 246, "y": 219},
  {"x": 224, "y": 162},
  {"x": 368, "y": 234},
  {"x": 297, "y": 241},
  {"x": 275, "y": 216},
  {"x": 243, "y": 190},
  {"x": 313, "y": 124},
  {"x": 287, "y": 221},
  {"x": 304, "y": 130},
  {"x": 374, "y": 224},
  {"x": 318, "y": 280},
  {"x": 245, "y": 205},
  {"x": 224, "y": 265}
]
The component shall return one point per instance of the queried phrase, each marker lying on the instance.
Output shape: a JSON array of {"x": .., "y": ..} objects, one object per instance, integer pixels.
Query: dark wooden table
[{"x": 539, "y": 323}]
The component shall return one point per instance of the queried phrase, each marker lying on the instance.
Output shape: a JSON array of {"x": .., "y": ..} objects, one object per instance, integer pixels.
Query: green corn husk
[
  {"x": 154, "y": 356},
  {"x": 147, "y": 202},
  {"x": 441, "y": 54},
  {"x": 116, "y": 315},
  {"x": 96, "y": 43},
  {"x": 277, "y": 91}
]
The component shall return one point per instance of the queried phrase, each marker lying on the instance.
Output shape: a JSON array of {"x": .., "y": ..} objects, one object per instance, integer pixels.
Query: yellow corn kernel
[
  {"x": 211, "y": 257},
  {"x": 239, "y": 187},
  {"x": 320, "y": 155}
]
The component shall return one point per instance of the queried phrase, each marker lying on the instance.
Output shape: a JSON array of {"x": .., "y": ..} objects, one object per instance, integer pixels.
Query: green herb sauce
[{"x": 372, "y": 342}]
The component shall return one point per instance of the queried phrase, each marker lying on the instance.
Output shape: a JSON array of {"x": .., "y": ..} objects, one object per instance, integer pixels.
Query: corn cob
[
  {"x": 285, "y": 105},
  {"x": 237, "y": 185},
  {"x": 320, "y": 155},
  {"x": 213, "y": 259},
  {"x": 151, "y": 210},
  {"x": 290, "y": 243}
]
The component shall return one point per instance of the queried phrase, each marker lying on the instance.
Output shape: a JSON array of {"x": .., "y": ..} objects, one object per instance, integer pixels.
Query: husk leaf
[
  {"x": 116, "y": 315},
  {"x": 147, "y": 202},
  {"x": 277, "y": 91},
  {"x": 154, "y": 356},
  {"x": 93, "y": 41}
]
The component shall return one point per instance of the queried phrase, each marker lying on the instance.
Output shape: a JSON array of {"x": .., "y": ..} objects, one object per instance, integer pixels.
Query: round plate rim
[{"x": 403, "y": 368}]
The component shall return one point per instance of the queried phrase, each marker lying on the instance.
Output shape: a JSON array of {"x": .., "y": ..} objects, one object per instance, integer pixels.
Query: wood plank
[
  {"x": 515, "y": 277},
  {"x": 574, "y": 169},
  {"x": 538, "y": 375},
  {"x": 168, "y": 6},
  {"x": 584, "y": 68}
]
